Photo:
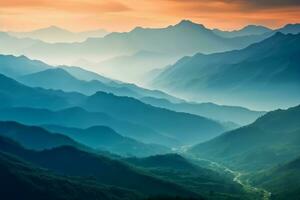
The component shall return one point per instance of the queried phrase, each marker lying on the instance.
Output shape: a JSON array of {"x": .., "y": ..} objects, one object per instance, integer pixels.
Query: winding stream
[{"x": 237, "y": 177}]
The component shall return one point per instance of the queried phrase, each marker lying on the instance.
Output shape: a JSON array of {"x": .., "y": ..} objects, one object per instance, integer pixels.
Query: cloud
[
  {"x": 242, "y": 4},
  {"x": 67, "y": 5}
]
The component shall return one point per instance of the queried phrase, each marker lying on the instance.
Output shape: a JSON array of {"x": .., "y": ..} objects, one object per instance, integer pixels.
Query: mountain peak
[
  {"x": 188, "y": 23},
  {"x": 52, "y": 29},
  {"x": 256, "y": 27}
]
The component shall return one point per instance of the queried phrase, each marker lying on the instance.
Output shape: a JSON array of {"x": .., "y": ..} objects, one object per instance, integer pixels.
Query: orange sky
[{"x": 123, "y": 15}]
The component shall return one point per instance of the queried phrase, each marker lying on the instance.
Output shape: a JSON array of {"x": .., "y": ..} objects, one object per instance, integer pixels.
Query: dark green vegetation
[
  {"x": 283, "y": 181},
  {"x": 103, "y": 169},
  {"x": 272, "y": 139},
  {"x": 21, "y": 180},
  {"x": 266, "y": 152},
  {"x": 167, "y": 175},
  {"x": 263, "y": 75},
  {"x": 208, "y": 183}
]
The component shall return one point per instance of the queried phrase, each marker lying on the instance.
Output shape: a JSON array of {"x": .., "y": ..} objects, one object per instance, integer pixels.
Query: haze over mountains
[
  {"x": 263, "y": 75},
  {"x": 160, "y": 45},
  {"x": 222, "y": 121},
  {"x": 54, "y": 34}
]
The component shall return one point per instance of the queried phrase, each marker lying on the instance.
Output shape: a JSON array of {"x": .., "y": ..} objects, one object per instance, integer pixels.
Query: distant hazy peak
[{"x": 189, "y": 24}]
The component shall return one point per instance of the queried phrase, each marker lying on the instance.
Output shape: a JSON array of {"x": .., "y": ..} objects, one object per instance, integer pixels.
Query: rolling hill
[{"x": 34, "y": 183}]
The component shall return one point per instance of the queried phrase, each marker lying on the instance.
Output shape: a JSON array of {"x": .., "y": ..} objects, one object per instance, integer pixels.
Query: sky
[{"x": 124, "y": 15}]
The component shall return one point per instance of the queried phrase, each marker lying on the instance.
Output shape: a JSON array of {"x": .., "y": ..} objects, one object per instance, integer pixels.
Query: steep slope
[
  {"x": 70, "y": 161},
  {"x": 34, "y": 97},
  {"x": 12, "y": 66},
  {"x": 263, "y": 75},
  {"x": 33, "y": 137},
  {"x": 101, "y": 137},
  {"x": 20, "y": 180},
  {"x": 158, "y": 119},
  {"x": 85, "y": 75},
  {"x": 238, "y": 115},
  {"x": 79, "y": 118},
  {"x": 290, "y": 28},
  {"x": 270, "y": 140},
  {"x": 38, "y": 74},
  {"x": 283, "y": 181},
  {"x": 190, "y": 127},
  {"x": 58, "y": 78}
]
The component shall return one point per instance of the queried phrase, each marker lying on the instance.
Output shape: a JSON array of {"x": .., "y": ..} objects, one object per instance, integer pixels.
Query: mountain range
[
  {"x": 263, "y": 75},
  {"x": 191, "y": 37},
  {"x": 182, "y": 112},
  {"x": 54, "y": 34},
  {"x": 105, "y": 138},
  {"x": 249, "y": 30},
  {"x": 157, "y": 119}
]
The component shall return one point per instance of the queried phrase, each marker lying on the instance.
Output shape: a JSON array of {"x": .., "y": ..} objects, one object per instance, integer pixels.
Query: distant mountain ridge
[
  {"x": 263, "y": 75},
  {"x": 55, "y": 34},
  {"x": 191, "y": 37},
  {"x": 248, "y": 30}
]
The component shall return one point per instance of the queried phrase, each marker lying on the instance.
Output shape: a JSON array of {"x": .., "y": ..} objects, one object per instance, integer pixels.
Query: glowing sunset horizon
[{"x": 113, "y": 15}]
